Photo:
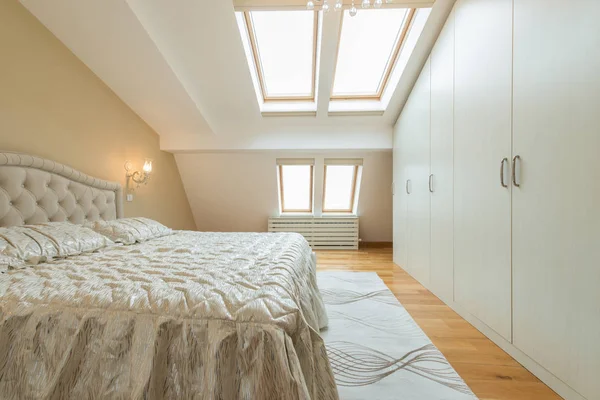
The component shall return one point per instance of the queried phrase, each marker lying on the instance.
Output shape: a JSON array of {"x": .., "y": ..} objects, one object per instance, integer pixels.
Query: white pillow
[
  {"x": 39, "y": 243},
  {"x": 131, "y": 230},
  {"x": 71, "y": 239},
  {"x": 28, "y": 245}
]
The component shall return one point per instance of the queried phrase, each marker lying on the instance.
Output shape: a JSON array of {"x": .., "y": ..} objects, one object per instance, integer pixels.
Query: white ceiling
[{"x": 180, "y": 65}]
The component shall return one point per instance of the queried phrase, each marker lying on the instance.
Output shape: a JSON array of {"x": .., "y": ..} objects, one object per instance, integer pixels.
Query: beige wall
[
  {"x": 53, "y": 106},
  {"x": 237, "y": 191}
]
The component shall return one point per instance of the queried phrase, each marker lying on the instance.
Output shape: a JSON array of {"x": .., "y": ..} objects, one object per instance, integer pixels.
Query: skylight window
[
  {"x": 341, "y": 185},
  {"x": 283, "y": 46},
  {"x": 295, "y": 186},
  {"x": 370, "y": 43}
]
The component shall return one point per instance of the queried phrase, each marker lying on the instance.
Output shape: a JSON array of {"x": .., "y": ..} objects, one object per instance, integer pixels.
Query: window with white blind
[
  {"x": 283, "y": 49},
  {"x": 341, "y": 184},
  {"x": 373, "y": 51},
  {"x": 295, "y": 185},
  {"x": 370, "y": 43}
]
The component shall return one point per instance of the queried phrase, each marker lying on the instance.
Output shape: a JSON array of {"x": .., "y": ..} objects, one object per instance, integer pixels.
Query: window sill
[
  {"x": 322, "y": 215},
  {"x": 296, "y": 214},
  {"x": 356, "y": 107}
]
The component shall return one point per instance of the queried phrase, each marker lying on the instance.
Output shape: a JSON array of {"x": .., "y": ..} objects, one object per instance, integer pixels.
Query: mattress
[{"x": 192, "y": 315}]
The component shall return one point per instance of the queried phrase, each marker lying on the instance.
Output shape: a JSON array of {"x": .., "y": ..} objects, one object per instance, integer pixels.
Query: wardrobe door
[
  {"x": 442, "y": 164},
  {"x": 400, "y": 197},
  {"x": 482, "y": 139},
  {"x": 410, "y": 130},
  {"x": 418, "y": 167},
  {"x": 556, "y": 208}
]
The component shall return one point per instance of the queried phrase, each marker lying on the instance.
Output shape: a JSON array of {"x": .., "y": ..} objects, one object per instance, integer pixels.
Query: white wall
[{"x": 237, "y": 191}]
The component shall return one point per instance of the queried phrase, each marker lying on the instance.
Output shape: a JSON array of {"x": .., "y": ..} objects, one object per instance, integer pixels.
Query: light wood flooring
[{"x": 489, "y": 371}]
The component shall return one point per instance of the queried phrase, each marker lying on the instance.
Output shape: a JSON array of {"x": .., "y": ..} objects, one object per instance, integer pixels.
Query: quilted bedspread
[{"x": 188, "y": 316}]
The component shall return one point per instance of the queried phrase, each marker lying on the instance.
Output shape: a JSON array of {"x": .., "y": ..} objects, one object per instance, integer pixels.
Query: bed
[{"x": 191, "y": 315}]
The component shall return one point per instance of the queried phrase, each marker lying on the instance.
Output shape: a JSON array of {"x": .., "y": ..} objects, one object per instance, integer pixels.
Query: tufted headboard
[{"x": 34, "y": 190}]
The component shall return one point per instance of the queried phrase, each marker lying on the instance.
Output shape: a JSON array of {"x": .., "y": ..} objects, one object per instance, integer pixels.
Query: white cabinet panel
[
  {"x": 442, "y": 164},
  {"x": 399, "y": 198},
  {"x": 556, "y": 210},
  {"x": 482, "y": 138},
  {"x": 411, "y": 134},
  {"x": 418, "y": 170}
]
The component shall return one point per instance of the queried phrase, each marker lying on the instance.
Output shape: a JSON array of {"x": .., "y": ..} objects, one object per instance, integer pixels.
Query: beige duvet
[{"x": 187, "y": 316}]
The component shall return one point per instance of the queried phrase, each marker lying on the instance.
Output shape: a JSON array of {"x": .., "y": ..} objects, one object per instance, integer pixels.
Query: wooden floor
[{"x": 489, "y": 371}]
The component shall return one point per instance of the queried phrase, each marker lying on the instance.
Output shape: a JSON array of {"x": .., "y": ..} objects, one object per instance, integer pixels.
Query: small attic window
[
  {"x": 283, "y": 51},
  {"x": 296, "y": 188},
  {"x": 341, "y": 184}
]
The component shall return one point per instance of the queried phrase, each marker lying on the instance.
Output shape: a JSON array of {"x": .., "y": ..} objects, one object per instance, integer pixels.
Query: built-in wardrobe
[{"x": 497, "y": 181}]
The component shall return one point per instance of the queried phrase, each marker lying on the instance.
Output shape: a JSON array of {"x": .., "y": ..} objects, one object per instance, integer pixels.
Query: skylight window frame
[
  {"x": 254, "y": 49},
  {"x": 390, "y": 65},
  {"x": 349, "y": 210},
  {"x": 311, "y": 195}
]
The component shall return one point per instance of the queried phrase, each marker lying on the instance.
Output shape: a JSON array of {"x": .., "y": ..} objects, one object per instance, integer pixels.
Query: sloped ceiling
[{"x": 180, "y": 65}]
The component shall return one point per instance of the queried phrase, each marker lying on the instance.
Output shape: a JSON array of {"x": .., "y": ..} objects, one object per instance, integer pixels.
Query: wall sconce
[{"x": 139, "y": 178}]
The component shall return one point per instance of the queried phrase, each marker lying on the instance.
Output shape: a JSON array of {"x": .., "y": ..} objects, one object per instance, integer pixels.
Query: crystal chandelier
[{"x": 339, "y": 5}]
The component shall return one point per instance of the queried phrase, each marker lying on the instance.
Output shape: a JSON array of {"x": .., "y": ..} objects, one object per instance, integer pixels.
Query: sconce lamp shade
[{"x": 147, "y": 166}]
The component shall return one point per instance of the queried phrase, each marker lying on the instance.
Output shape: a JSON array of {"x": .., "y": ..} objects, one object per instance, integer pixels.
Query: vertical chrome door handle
[
  {"x": 504, "y": 160},
  {"x": 431, "y": 183},
  {"x": 407, "y": 191},
  {"x": 514, "y": 170}
]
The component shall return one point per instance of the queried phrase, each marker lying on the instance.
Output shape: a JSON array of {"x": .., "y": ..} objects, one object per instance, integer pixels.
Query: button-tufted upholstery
[{"x": 34, "y": 190}]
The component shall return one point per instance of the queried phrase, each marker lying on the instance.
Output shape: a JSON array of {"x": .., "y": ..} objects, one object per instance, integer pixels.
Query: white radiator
[{"x": 322, "y": 233}]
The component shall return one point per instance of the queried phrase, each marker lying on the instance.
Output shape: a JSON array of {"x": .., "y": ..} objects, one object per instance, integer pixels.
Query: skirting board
[
  {"x": 375, "y": 245},
  {"x": 554, "y": 383}
]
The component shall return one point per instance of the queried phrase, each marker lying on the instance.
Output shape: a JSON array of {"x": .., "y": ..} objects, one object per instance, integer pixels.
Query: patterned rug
[{"x": 376, "y": 350}]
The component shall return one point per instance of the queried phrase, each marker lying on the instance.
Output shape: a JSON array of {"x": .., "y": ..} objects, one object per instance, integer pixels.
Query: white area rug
[{"x": 376, "y": 349}]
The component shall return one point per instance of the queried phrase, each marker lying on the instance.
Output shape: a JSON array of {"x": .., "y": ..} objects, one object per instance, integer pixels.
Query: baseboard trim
[
  {"x": 553, "y": 382},
  {"x": 375, "y": 245}
]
